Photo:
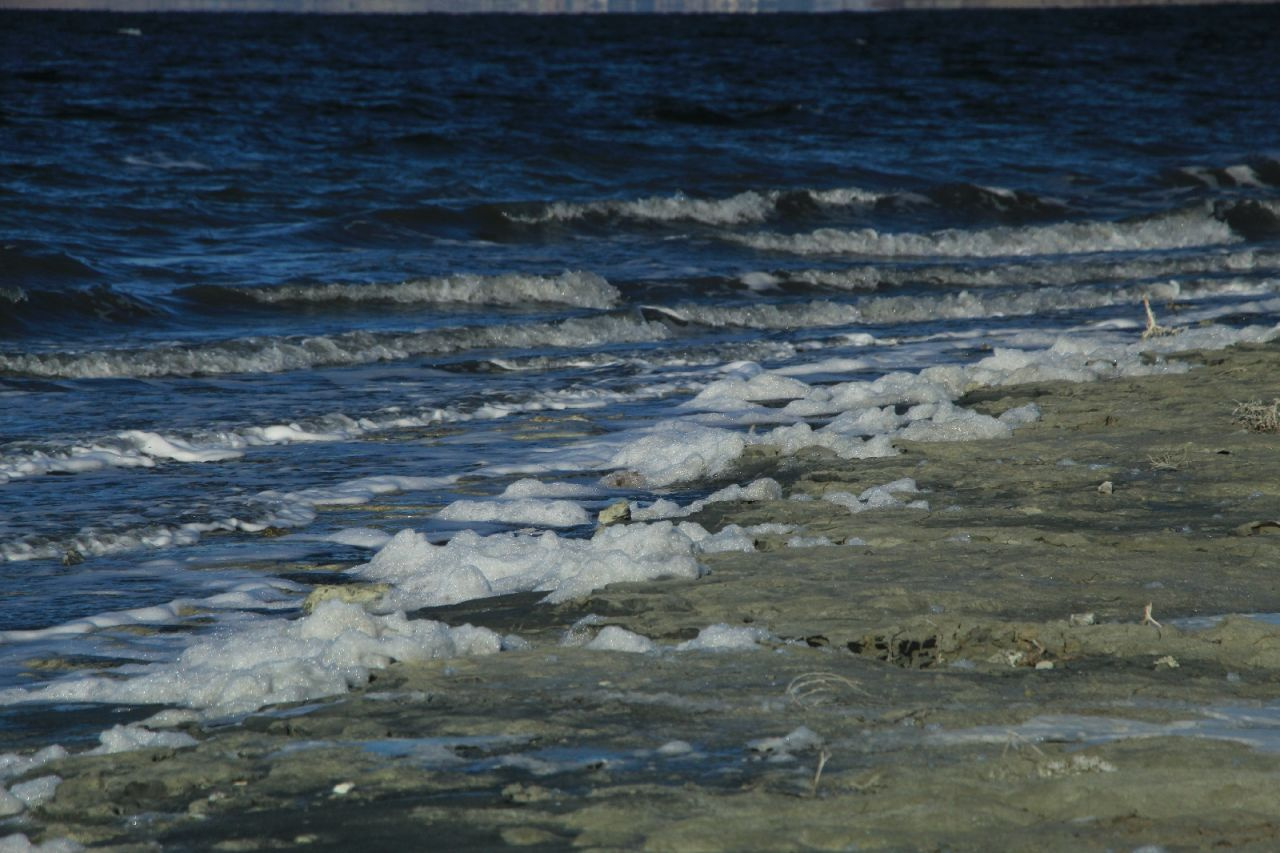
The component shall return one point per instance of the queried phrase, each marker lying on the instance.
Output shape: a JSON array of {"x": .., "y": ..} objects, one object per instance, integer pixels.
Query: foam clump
[
  {"x": 357, "y": 537},
  {"x": 808, "y": 542},
  {"x": 801, "y": 739},
  {"x": 722, "y": 637},
  {"x": 153, "y": 444},
  {"x": 614, "y": 639},
  {"x": 542, "y": 513},
  {"x": 675, "y": 747},
  {"x": 731, "y": 538},
  {"x": 948, "y": 422},
  {"x": 879, "y": 497},
  {"x": 133, "y": 737},
  {"x": 19, "y": 843},
  {"x": 888, "y": 390},
  {"x": 763, "y": 489},
  {"x": 532, "y": 488},
  {"x": 13, "y": 765},
  {"x": 473, "y": 566},
  {"x": 678, "y": 452},
  {"x": 790, "y": 440},
  {"x": 27, "y": 795},
  {"x": 270, "y": 662},
  {"x": 734, "y": 393},
  {"x": 771, "y": 529}
]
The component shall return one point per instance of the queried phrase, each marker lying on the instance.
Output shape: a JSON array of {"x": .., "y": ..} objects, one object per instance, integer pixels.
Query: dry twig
[{"x": 1154, "y": 329}]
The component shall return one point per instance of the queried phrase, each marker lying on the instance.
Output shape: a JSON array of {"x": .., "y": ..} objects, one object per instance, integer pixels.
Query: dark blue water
[{"x": 246, "y": 256}]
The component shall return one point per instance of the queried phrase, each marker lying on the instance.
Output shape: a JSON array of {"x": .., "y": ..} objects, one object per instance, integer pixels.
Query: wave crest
[
  {"x": 1182, "y": 230},
  {"x": 576, "y": 289}
]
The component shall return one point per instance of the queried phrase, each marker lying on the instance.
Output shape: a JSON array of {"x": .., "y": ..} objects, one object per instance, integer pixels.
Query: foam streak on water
[{"x": 408, "y": 308}]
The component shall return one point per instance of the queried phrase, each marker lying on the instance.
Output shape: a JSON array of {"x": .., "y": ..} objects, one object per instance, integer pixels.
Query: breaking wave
[
  {"x": 741, "y": 209},
  {"x": 1037, "y": 272},
  {"x": 280, "y": 354},
  {"x": 576, "y": 289},
  {"x": 1181, "y": 230},
  {"x": 1263, "y": 172}
]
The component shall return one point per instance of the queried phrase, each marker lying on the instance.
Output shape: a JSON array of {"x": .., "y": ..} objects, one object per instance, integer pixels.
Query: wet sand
[{"x": 976, "y": 676}]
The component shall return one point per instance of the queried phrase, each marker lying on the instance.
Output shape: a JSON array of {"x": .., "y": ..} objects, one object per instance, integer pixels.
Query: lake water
[{"x": 275, "y": 288}]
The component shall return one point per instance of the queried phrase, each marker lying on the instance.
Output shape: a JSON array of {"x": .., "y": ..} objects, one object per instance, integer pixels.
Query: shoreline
[{"x": 952, "y": 676}]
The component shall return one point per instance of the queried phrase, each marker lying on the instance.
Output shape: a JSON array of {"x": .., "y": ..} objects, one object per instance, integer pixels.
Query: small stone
[
  {"x": 343, "y": 788},
  {"x": 1167, "y": 662},
  {"x": 1106, "y": 487},
  {"x": 528, "y": 836},
  {"x": 519, "y": 792},
  {"x": 615, "y": 513},
  {"x": 352, "y": 593},
  {"x": 1044, "y": 664},
  {"x": 624, "y": 480},
  {"x": 1079, "y": 619}
]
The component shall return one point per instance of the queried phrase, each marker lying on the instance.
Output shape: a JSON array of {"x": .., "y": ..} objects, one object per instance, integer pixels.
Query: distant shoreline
[{"x": 585, "y": 7}]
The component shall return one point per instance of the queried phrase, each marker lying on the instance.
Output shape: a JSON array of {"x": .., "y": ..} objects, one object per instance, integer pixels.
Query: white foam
[
  {"x": 679, "y": 451},
  {"x": 743, "y": 208},
  {"x": 801, "y": 739},
  {"x": 272, "y": 594},
  {"x": 763, "y": 489},
  {"x": 1185, "y": 229},
  {"x": 159, "y": 447},
  {"x": 128, "y": 449},
  {"x": 13, "y": 765},
  {"x": 790, "y": 440},
  {"x": 19, "y": 843},
  {"x": 132, "y": 737},
  {"x": 273, "y": 661},
  {"x": 730, "y": 538},
  {"x": 675, "y": 747},
  {"x": 278, "y": 354},
  {"x": 879, "y": 497},
  {"x": 731, "y": 393},
  {"x": 270, "y": 508},
  {"x": 721, "y": 637},
  {"x": 948, "y": 422},
  {"x": 356, "y": 537},
  {"x": 801, "y": 315},
  {"x": 808, "y": 542},
  {"x": 614, "y": 639},
  {"x": 531, "y": 488},
  {"x": 472, "y": 566},
  {"x": 1040, "y": 301},
  {"x": 1145, "y": 273},
  {"x": 9, "y": 805},
  {"x": 541, "y": 513},
  {"x": 574, "y": 288}
]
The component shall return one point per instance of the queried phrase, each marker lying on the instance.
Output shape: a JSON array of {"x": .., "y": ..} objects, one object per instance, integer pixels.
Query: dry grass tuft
[
  {"x": 1257, "y": 416},
  {"x": 818, "y": 688},
  {"x": 1169, "y": 460}
]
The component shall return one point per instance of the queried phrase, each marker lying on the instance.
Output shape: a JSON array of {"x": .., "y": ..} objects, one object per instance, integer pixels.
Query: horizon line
[{"x": 581, "y": 7}]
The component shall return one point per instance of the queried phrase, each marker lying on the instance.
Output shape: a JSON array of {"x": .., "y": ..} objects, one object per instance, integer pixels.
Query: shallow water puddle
[{"x": 1255, "y": 727}]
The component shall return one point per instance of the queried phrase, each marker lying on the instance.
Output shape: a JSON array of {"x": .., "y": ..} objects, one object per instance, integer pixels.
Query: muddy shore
[{"x": 981, "y": 675}]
